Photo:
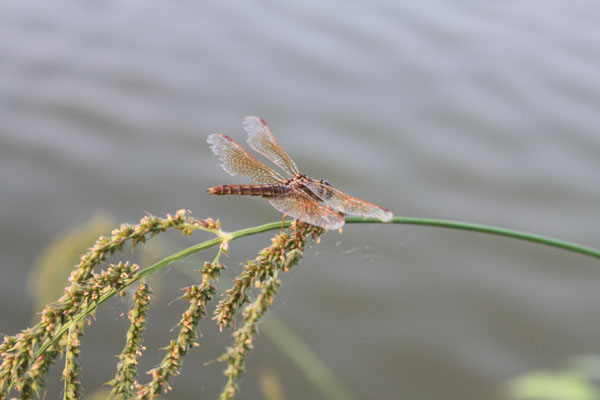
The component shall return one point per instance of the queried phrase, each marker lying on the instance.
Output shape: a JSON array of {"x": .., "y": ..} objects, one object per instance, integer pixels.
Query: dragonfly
[{"x": 314, "y": 201}]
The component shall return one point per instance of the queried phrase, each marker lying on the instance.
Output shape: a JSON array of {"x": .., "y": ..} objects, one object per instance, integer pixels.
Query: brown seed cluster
[
  {"x": 262, "y": 272},
  {"x": 124, "y": 380},
  {"x": 19, "y": 366},
  {"x": 26, "y": 357},
  {"x": 198, "y": 296}
]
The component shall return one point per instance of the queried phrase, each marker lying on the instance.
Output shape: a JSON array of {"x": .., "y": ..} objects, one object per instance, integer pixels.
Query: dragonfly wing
[
  {"x": 237, "y": 161},
  {"x": 261, "y": 139},
  {"x": 347, "y": 204},
  {"x": 303, "y": 207}
]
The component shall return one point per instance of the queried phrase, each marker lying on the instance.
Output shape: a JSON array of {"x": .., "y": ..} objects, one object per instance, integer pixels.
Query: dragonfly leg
[{"x": 283, "y": 222}]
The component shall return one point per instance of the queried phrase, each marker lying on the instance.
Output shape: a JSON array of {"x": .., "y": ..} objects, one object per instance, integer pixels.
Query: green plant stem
[
  {"x": 305, "y": 358},
  {"x": 492, "y": 230},
  {"x": 155, "y": 267},
  {"x": 573, "y": 247}
]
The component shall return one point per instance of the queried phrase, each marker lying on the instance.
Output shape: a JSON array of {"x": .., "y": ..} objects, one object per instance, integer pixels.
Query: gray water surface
[{"x": 475, "y": 111}]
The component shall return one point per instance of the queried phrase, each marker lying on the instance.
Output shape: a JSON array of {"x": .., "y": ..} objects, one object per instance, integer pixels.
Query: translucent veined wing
[
  {"x": 261, "y": 139},
  {"x": 303, "y": 207},
  {"x": 347, "y": 204},
  {"x": 237, "y": 161}
]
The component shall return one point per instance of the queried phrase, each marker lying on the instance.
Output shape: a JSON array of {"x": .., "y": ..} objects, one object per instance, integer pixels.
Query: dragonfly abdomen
[{"x": 249, "y": 190}]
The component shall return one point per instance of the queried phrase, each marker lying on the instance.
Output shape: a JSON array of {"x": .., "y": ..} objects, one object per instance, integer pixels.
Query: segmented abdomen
[{"x": 249, "y": 190}]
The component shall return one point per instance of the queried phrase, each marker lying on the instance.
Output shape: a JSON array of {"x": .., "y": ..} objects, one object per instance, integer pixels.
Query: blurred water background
[{"x": 477, "y": 111}]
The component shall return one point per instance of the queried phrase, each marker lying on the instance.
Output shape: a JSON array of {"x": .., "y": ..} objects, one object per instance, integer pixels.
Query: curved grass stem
[
  {"x": 227, "y": 237},
  {"x": 153, "y": 268},
  {"x": 545, "y": 240},
  {"x": 492, "y": 230}
]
